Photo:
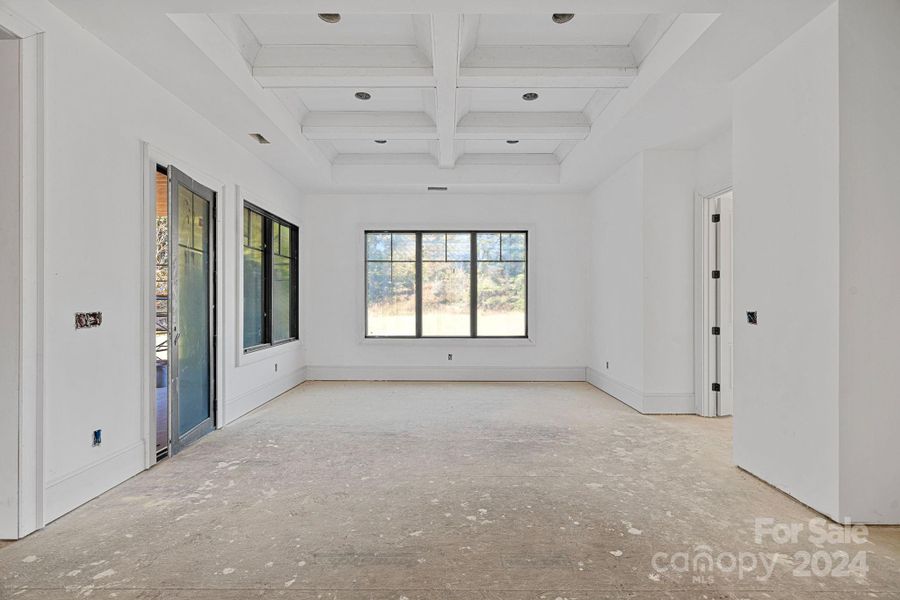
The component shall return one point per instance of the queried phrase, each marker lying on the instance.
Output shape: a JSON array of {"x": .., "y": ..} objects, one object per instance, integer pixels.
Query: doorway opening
[
  {"x": 717, "y": 306},
  {"x": 161, "y": 307},
  {"x": 185, "y": 305}
]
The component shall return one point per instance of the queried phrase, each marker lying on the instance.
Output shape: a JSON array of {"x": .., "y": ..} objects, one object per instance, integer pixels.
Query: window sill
[
  {"x": 448, "y": 342},
  {"x": 255, "y": 356}
]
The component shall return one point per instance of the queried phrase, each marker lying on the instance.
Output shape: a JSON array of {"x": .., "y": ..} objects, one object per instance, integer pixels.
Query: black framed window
[
  {"x": 449, "y": 284},
  {"x": 270, "y": 279}
]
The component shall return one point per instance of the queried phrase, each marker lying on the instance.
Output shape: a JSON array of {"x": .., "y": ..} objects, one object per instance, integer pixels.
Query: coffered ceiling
[
  {"x": 478, "y": 95},
  {"x": 445, "y": 90}
]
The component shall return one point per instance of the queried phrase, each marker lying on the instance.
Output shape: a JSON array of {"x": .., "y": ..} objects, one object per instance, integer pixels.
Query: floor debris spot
[{"x": 104, "y": 574}]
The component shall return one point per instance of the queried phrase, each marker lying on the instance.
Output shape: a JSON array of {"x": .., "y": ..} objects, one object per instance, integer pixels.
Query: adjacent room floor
[{"x": 432, "y": 490}]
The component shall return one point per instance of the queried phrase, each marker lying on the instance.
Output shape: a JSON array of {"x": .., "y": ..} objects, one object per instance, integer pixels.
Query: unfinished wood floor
[{"x": 445, "y": 491}]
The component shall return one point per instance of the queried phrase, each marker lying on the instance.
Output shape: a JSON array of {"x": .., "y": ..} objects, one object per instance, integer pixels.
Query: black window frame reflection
[{"x": 270, "y": 220}]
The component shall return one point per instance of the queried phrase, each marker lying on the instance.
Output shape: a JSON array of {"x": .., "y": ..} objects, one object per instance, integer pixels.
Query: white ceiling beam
[
  {"x": 523, "y": 126},
  {"x": 651, "y": 31},
  {"x": 354, "y": 77},
  {"x": 548, "y": 66},
  {"x": 445, "y": 29},
  {"x": 536, "y": 77},
  {"x": 423, "y": 170},
  {"x": 550, "y": 57},
  {"x": 368, "y": 126},
  {"x": 598, "y": 103},
  {"x": 342, "y": 66},
  {"x": 234, "y": 27},
  {"x": 338, "y": 56}
]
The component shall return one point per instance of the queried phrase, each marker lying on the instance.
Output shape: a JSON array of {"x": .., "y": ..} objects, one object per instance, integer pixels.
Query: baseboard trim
[
  {"x": 664, "y": 403},
  {"x": 240, "y": 405},
  {"x": 376, "y": 373},
  {"x": 70, "y": 491},
  {"x": 647, "y": 403},
  {"x": 622, "y": 392}
]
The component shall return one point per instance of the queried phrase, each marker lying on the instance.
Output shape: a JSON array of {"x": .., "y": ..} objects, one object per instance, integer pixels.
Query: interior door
[
  {"x": 726, "y": 304},
  {"x": 192, "y": 309}
]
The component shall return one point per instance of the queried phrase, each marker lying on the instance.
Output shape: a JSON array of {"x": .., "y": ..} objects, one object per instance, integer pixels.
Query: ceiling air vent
[
  {"x": 260, "y": 138},
  {"x": 437, "y": 188}
]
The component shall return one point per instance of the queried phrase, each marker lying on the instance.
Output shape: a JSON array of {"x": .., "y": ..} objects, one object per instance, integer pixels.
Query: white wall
[
  {"x": 786, "y": 259},
  {"x": 668, "y": 276},
  {"x": 10, "y": 287},
  {"x": 816, "y": 245},
  {"x": 616, "y": 278},
  {"x": 869, "y": 265},
  {"x": 714, "y": 168},
  {"x": 99, "y": 109},
  {"x": 642, "y": 310},
  {"x": 335, "y": 281}
]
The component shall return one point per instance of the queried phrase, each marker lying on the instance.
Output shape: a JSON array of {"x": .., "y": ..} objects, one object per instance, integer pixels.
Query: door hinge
[
  {"x": 716, "y": 331},
  {"x": 716, "y": 218},
  {"x": 715, "y": 387},
  {"x": 716, "y": 274}
]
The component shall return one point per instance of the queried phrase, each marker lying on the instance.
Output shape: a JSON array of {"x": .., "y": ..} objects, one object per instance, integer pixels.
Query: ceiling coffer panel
[{"x": 446, "y": 89}]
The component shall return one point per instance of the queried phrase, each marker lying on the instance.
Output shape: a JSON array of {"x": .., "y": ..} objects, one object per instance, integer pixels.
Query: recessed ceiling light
[
  {"x": 330, "y": 17},
  {"x": 260, "y": 138},
  {"x": 512, "y": 141},
  {"x": 381, "y": 141},
  {"x": 362, "y": 95},
  {"x": 561, "y": 18},
  {"x": 437, "y": 188},
  {"x": 529, "y": 96}
]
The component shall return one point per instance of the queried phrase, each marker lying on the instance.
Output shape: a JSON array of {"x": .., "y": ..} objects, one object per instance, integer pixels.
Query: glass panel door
[{"x": 192, "y": 274}]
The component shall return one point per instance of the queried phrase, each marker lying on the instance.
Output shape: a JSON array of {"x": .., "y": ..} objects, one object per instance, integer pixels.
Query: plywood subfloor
[{"x": 445, "y": 491}]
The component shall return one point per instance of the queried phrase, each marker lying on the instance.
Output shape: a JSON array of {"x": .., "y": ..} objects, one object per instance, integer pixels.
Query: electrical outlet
[
  {"x": 86, "y": 320},
  {"x": 97, "y": 437},
  {"x": 276, "y": 367},
  {"x": 607, "y": 364},
  {"x": 449, "y": 357}
]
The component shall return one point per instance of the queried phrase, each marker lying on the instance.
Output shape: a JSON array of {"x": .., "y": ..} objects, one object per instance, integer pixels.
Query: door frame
[
  {"x": 152, "y": 156},
  {"x": 30, "y": 415},
  {"x": 707, "y": 403}
]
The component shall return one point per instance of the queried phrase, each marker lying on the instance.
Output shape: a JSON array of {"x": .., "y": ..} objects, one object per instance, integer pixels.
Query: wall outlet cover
[{"x": 87, "y": 320}]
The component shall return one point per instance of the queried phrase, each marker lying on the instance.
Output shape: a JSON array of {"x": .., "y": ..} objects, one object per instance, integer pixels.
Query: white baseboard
[
  {"x": 648, "y": 403},
  {"x": 623, "y": 392},
  {"x": 664, "y": 403},
  {"x": 70, "y": 491},
  {"x": 374, "y": 373},
  {"x": 239, "y": 406}
]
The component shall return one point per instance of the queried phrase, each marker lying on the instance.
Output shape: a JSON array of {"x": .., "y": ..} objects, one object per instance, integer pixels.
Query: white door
[{"x": 717, "y": 313}]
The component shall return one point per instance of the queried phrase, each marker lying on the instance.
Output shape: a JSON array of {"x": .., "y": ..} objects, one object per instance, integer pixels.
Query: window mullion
[
  {"x": 269, "y": 279},
  {"x": 419, "y": 284},
  {"x": 473, "y": 285}
]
